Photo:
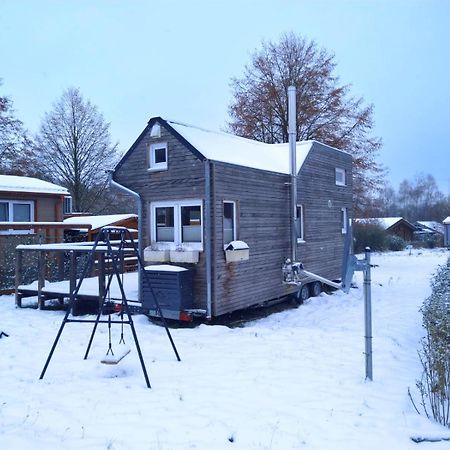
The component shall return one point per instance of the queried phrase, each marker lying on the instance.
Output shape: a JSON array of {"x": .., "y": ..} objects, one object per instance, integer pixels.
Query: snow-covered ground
[{"x": 292, "y": 380}]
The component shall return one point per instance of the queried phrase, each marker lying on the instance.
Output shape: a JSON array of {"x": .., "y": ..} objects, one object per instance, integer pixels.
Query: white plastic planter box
[
  {"x": 237, "y": 251},
  {"x": 184, "y": 256},
  {"x": 156, "y": 255}
]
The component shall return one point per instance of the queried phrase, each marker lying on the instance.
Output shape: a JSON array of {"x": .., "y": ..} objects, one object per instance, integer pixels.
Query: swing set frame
[{"x": 114, "y": 254}]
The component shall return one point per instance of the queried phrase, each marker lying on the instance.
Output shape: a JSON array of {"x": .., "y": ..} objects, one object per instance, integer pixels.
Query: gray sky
[{"x": 138, "y": 59}]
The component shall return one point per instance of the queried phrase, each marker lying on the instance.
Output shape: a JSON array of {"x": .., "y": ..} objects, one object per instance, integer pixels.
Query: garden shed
[{"x": 219, "y": 205}]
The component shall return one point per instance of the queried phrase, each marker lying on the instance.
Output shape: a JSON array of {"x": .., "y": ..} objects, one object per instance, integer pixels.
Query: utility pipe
[
  {"x": 292, "y": 120},
  {"x": 208, "y": 238}
]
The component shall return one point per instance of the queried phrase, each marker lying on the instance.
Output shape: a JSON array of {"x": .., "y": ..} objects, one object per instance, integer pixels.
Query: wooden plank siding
[
  {"x": 184, "y": 179},
  {"x": 263, "y": 216},
  {"x": 263, "y": 204},
  {"x": 262, "y": 200},
  {"x": 322, "y": 199}
]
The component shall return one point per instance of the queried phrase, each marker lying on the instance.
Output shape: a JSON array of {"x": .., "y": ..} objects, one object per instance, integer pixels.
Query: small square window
[
  {"x": 158, "y": 157},
  {"x": 340, "y": 177}
]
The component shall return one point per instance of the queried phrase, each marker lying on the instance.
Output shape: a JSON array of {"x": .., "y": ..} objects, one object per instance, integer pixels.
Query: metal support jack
[
  {"x": 294, "y": 272},
  {"x": 103, "y": 245}
]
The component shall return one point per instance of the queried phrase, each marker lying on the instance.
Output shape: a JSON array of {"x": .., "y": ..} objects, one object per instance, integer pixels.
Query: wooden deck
[{"x": 90, "y": 290}]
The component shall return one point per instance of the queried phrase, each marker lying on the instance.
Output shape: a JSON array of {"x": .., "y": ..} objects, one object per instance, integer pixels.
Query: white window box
[
  {"x": 152, "y": 255},
  {"x": 237, "y": 251},
  {"x": 184, "y": 256}
]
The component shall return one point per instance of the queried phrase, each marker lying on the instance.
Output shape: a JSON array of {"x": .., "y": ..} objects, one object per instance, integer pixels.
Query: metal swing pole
[
  {"x": 158, "y": 308},
  {"x": 73, "y": 295},
  {"x": 368, "y": 316},
  {"x": 97, "y": 320},
  {"x": 125, "y": 302}
]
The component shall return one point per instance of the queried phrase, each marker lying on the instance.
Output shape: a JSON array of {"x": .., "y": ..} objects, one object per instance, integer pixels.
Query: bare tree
[
  {"x": 75, "y": 148},
  {"x": 325, "y": 110},
  {"x": 16, "y": 148}
]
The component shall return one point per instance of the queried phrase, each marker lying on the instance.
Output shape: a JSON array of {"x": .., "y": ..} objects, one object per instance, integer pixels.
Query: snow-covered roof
[
  {"x": 225, "y": 147},
  {"x": 432, "y": 225},
  {"x": 446, "y": 221},
  {"x": 385, "y": 222},
  {"x": 14, "y": 183},
  {"x": 99, "y": 221}
]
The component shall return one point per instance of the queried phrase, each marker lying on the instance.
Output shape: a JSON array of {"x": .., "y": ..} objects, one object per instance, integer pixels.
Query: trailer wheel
[
  {"x": 315, "y": 288},
  {"x": 302, "y": 294}
]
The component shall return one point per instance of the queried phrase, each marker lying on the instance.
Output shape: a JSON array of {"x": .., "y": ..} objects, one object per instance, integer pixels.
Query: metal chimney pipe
[{"x": 292, "y": 120}]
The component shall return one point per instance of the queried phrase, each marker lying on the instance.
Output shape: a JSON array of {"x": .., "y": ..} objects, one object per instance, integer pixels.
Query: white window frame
[
  {"x": 344, "y": 220},
  {"x": 232, "y": 202},
  {"x": 340, "y": 177},
  {"x": 177, "y": 244},
  {"x": 300, "y": 221},
  {"x": 152, "y": 165},
  {"x": 67, "y": 204},
  {"x": 10, "y": 215}
]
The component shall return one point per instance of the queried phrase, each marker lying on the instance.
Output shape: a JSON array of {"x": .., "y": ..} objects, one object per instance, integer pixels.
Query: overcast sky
[{"x": 138, "y": 59}]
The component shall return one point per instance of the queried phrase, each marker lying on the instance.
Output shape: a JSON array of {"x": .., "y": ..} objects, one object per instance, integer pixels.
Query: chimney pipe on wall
[{"x": 292, "y": 116}]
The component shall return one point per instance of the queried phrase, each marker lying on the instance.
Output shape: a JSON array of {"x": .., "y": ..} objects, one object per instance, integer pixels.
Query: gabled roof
[
  {"x": 432, "y": 226},
  {"x": 446, "y": 221},
  {"x": 232, "y": 149},
  {"x": 99, "y": 221},
  {"x": 385, "y": 222},
  {"x": 13, "y": 183}
]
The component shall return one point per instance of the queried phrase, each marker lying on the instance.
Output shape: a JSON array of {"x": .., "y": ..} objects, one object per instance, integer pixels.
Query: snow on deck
[
  {"x": 13, "y": 183},
  {"x": 89, "y": 287}
]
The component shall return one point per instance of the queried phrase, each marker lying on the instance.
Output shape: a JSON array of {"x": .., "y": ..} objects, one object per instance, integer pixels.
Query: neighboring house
[
  {"x": 205, "y": 193},
  {"x": 397, "y": 226},
  {"x": 129, "y": 221},
  {"x": 26, "y": 199},
  {"x": 429, "y": 230},
  {"x": 446, "y": 223}
]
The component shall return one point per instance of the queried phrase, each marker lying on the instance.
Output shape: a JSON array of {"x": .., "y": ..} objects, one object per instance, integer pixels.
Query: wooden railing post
[{"x": 18, "y": 276}]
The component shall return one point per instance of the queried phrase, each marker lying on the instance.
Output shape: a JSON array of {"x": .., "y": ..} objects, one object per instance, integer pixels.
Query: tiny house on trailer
[{"x": 219, "y": 205}]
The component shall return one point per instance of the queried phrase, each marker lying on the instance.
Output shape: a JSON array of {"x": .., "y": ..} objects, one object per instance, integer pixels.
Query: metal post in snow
[{"x": 368, "y": 315}]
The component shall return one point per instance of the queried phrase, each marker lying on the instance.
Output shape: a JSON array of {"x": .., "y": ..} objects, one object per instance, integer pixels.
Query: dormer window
[{"x": 158, "y": 157}]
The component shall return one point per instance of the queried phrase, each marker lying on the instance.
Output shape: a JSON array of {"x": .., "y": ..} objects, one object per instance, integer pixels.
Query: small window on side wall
[
  {"x": 158, "y": 157},
  {"x": 300, "y": 224},
  {"x": 344, "y": 220},
  {"x": 229, "y": 222},
  {"x": 340, "y": 177}
]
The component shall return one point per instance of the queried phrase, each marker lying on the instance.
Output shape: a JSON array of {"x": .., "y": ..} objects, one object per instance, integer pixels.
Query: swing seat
[{"x": 115, "y": 359}]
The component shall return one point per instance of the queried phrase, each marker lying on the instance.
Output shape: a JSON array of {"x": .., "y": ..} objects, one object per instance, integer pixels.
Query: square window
[
  {"x": 21, "y": 212},
  {"x": 158, "y": 157},
  {"x": 340, "y": 177},
  {"x": 177, "y": 225}
]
